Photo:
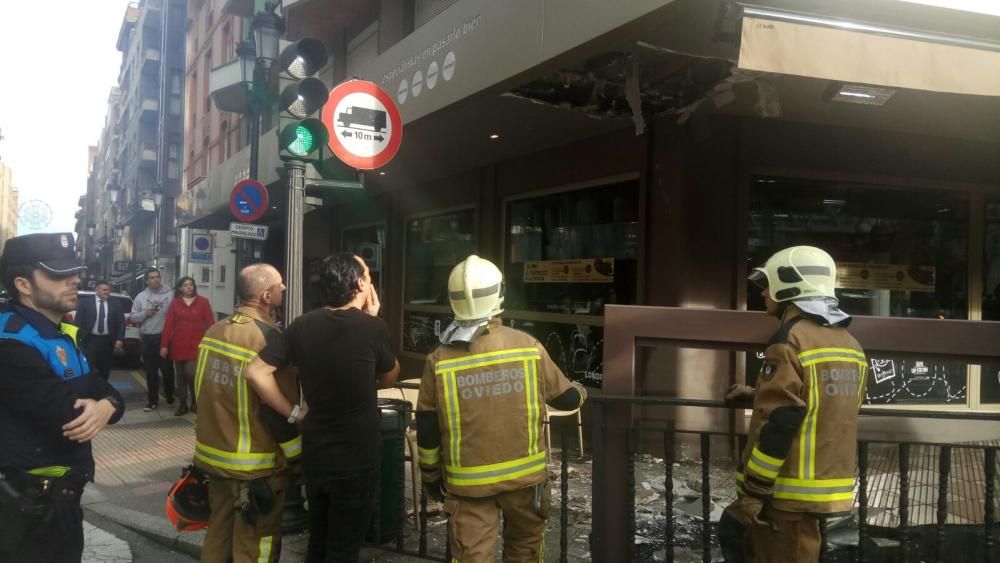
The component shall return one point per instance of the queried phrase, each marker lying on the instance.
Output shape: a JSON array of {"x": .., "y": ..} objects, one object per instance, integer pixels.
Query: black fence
[
  {"x": 938, "y": 541},
  {"x": 915, "y": 543}
]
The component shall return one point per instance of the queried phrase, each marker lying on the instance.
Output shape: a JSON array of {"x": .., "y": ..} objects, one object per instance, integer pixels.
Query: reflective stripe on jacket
[
  {"x": 802, "y": 444},
  {"x": 489, "y": 398},
  {"x": 232, "y": 440}
]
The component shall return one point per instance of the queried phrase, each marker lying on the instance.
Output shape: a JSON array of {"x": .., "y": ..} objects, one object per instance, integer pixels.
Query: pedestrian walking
[
  {"x": 51, "y": 406},
  {"x": 343, "y": 354},
  {"x": 150, "y": 310},
  {"x": 188, "y": 317},
  {"x": 800, "y": 460},
  {"x": 244, "y": 446},
  {"x": 101, "y": 324},
  {"x": 480, "y": 416}
]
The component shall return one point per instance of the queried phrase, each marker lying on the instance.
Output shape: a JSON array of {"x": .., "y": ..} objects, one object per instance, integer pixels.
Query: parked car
[{"x": 129, "y": 354}]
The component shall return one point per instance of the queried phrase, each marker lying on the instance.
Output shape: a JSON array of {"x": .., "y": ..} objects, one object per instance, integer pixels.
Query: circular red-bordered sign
[
  {"x": 364, "y": 124},
  {"x": 248, "y": 200}
]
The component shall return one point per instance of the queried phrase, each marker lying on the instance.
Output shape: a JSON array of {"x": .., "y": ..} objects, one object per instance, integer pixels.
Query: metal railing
[{"x": 908, "y": 548}]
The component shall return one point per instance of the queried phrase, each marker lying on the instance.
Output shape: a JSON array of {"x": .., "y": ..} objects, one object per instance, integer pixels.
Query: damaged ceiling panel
[{"x": 605, "y": 85}]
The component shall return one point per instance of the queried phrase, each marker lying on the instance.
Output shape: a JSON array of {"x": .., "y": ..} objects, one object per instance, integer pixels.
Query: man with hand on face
[
  {"x": 51, "y": 406},
  {"x": 343, "y": 354}
]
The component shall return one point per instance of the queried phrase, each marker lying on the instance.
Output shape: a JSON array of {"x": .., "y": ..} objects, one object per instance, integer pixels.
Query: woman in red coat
[{"x": 188, "y": 317}]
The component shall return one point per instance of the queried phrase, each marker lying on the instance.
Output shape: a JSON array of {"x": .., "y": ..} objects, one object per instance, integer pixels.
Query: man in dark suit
[{"x": 102, "y": 328}]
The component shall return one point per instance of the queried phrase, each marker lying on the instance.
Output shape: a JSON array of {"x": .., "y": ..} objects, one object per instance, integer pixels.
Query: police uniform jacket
[
  {"x": 237, "y": 435},
  {"x": 42, "y": 374},
  {"x": 486, "y": 405},
  {"x": 802, "y": 445}
]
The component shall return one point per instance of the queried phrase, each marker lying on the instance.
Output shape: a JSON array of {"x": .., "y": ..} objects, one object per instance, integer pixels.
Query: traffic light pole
[{"x": 296, "y": 170}]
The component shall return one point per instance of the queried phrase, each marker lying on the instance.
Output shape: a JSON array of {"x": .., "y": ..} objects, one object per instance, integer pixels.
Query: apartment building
[
  {"x": 211, "y": 138},
  {"x": 135, "y": 175},
  {"x": 8, "y": 205}
]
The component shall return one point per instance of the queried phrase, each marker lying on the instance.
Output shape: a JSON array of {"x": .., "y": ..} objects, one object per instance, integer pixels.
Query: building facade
[
  {"x": 652, "y": 153},
  {"x": 8, "y": 205},
  {"x": 136, "y": 173},
  {"x": 211, "y": 137}
]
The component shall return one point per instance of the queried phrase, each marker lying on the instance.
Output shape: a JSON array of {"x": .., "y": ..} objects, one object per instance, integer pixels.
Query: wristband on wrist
[{"x": 293, "y": 418}]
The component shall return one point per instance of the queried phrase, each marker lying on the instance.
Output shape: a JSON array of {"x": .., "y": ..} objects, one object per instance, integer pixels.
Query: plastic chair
[{"x": 551, "y": 412}]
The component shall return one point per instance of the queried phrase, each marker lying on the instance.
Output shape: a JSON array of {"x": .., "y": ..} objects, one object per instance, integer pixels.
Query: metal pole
[
  {"x": 294, "y": 516},
  {"x": 296, "y": 170}
]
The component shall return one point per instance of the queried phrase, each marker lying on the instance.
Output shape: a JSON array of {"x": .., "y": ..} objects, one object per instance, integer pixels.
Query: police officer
[
  {"x": 801, "y": 455},
  {"x": 51, "y": 407},
  {"x": 479, "y": 422}
]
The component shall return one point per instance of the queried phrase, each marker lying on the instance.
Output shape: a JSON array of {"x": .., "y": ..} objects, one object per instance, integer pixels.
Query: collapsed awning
[{"x": 833, "y": 48}]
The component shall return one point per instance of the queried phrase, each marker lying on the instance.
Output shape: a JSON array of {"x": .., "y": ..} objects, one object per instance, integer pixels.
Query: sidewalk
[{"x": 138, "y": 461}]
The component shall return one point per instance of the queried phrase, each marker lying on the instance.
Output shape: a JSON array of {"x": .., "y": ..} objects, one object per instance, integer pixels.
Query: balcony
[
  {"x": 149, "y": 108},
  {"x": 151, "y": 60},
  {"x": 147, "y": 155}
]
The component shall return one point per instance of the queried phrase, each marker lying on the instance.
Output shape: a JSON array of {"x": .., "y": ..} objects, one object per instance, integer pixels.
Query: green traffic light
[
  {"x": 304, "y": 142},
  {"x": 303, "y": 138}
]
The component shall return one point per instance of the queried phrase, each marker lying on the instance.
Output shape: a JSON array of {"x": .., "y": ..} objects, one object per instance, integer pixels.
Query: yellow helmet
[
  {"x": 475, "y": 289},
  {"x": 797, "y": 272}
]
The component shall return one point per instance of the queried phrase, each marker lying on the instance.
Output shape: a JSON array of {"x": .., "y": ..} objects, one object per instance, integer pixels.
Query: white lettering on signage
[{"x": 451, "y": 37}]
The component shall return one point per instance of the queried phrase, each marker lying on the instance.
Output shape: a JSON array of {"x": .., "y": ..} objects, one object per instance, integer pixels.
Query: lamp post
[
  {"x": 268, "y": 28},
  {"x": 113, "y": 190},
  {"x": 157, "y": 208}
]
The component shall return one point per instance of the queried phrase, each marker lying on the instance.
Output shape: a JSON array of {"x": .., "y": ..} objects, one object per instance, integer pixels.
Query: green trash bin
[{"x": 390, "y": 511}]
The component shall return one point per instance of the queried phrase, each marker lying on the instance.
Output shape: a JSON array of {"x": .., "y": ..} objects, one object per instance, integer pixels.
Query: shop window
[
  {"x": 567, "y": 255},
  {"x": 990, "y": 373},
  {"x": 899, "y": 253},
  {"x": 434, "y": 245}
]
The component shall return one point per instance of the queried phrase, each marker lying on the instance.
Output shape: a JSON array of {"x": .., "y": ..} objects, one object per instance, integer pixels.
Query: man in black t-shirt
[{"x": 343, "y": 354}]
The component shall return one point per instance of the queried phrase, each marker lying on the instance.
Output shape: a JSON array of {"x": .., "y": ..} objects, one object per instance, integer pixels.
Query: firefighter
[
  {"x": 241, "y": 444},
  {"x": 479, "y": 422},
  {"x": 800, "y": 461}
]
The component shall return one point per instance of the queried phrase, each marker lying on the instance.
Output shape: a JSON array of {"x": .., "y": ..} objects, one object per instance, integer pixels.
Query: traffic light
[{"x": 301, "y": 133}]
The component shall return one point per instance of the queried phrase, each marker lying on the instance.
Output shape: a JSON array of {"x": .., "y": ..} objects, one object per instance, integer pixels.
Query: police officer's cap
[{"x": 54, "y": 253}]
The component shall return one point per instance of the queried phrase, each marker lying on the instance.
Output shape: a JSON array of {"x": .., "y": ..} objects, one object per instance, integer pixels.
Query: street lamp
[
  {"x": 157, "y": 199},
  {"x": 119, "y": 231},
  {"x": 268, "y": 28},
  {"x": 247, "y": 53},
  {"x": 90, "y": 230},
  {"x": 113, "y": 190}
]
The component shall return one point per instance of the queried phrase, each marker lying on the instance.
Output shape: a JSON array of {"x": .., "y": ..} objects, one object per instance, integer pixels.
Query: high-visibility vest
[
  {"x": 814, "y": 375},
  {"x": 490, "y": 402},
  {"x": 231, "y": 438}
]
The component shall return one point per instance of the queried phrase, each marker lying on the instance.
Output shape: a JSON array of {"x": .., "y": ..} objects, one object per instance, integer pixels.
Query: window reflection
[{"x": 900, "y": 253}]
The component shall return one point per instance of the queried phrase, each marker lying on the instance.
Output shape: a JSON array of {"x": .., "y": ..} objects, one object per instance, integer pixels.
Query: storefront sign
[
  {"x": 596, "y": 270},
  {"x": 856, "y": 275}
]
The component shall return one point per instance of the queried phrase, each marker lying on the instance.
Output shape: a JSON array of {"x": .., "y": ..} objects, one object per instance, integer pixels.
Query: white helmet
[
  {"x": 797, "y": 272},
  {"x": 475, "y": 289}
]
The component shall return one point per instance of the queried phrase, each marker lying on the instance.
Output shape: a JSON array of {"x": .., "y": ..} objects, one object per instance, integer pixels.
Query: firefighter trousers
[
  {"x": 229, "y": 537},
  {"x": 473, "y": 523},
  {"x": 788, "y": 537}
]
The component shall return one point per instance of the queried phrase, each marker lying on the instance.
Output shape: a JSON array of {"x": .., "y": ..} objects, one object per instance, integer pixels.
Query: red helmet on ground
[{"x": 187, "y": 502}]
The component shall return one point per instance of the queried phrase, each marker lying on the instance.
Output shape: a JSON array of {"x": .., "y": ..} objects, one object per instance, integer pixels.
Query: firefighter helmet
[
  {"x": 187, "y": 502},
  {"x": 797, "y": 272},
  {"x": 475, "y": 289}
]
